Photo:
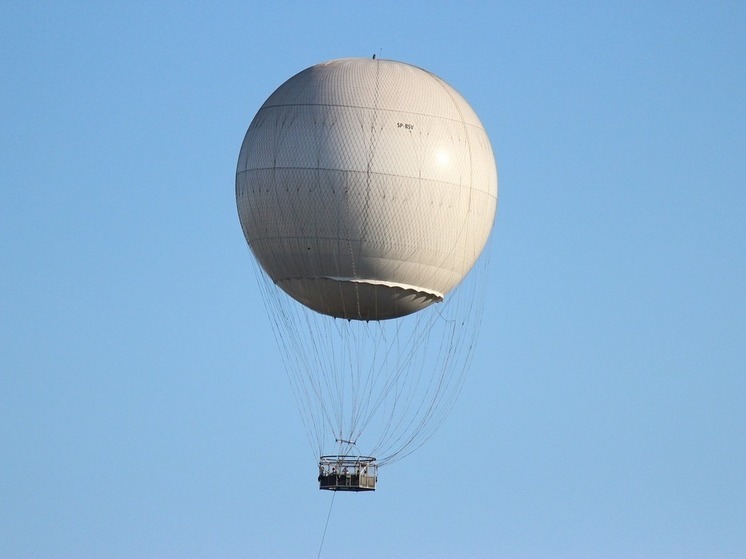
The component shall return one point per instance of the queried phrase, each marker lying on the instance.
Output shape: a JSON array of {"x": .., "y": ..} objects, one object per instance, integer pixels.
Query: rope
[{"x": 323, "y": 537}]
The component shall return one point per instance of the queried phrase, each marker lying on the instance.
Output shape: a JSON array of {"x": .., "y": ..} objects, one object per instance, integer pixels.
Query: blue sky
[{"x": 144, "y": 411}]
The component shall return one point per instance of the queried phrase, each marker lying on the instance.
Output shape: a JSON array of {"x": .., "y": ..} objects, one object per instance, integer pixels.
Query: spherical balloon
[{"x": 366, "y": 189}]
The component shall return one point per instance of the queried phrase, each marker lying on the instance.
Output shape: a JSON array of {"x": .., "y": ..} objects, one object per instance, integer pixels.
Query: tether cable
[{"x": 329, "y": 514}]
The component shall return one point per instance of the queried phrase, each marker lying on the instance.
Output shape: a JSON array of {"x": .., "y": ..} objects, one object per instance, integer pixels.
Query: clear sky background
[{"x": 144, "y": 410}]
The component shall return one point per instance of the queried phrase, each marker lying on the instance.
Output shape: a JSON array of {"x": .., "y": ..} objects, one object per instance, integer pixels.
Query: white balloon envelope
[{"x": 366, "y": 188}]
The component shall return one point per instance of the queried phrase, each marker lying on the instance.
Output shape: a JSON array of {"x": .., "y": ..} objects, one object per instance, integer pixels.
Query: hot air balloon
[{"x": 366, "y": 191}]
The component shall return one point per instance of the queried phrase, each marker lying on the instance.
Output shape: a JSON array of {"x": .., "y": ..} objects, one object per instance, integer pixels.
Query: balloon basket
[{"x": 348, "y": 473}]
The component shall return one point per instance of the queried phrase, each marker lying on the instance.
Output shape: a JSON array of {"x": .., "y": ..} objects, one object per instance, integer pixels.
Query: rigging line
[
  {"x": 302, "y": 360},
  {"x": 406, "y": 359},
  {"x": 312, "y": 352},
  {"x": 399, "y": 373},
  {"x": 379, "y": 357},
  {"x": 270, "y": 303},
  {"x": 434, "y": 403},
  {"x": 460, "y": 357},
  {"x": 372, "y": 360},
  {"x": 326, "y": 525},
  {"x": 295, "y": 367},
  {"x": 301, "y": 365}
]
